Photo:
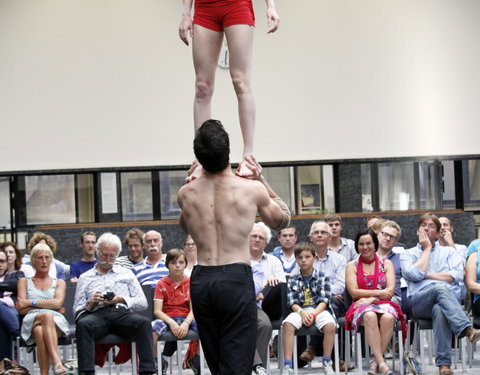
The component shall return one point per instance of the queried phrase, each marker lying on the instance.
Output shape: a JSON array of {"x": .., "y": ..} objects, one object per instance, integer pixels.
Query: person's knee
[
  {"x": 370, "y": 318},
  {"x": 388, "y": 320},
  {"x": 240, "y": 84},
  {"x": 288, "y": 327},
  {"x": 329, "y": 329},
  {"x": 203, "y": 89}
]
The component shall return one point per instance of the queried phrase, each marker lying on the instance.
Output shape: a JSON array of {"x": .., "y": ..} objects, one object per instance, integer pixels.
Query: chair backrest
[
  {"x": 69, "y": 301},
  {"x": 149, "y": 293}
]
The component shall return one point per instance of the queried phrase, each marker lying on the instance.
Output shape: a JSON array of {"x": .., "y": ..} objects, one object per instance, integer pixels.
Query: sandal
[
  {"x": 373, "y": 369},
  {"x": 384, "y": 369},
  {"x": 59, "y": 369}
]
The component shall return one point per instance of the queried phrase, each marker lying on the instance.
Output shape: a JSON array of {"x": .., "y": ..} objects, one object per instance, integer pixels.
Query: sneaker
[
  {"x": 473, "y": 335},
  {"x": 287, "y": 370},
  {"x": 259, "y": 370},
  {"x": 194, "y": 364},
  {"x": 164, "y": 366},
  {"x": 327, "y": 366},
  {"x": 308, "y": 354}
]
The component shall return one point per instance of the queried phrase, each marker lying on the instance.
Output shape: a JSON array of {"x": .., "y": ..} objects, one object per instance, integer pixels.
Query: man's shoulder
[{"x": 336, "y": 257}]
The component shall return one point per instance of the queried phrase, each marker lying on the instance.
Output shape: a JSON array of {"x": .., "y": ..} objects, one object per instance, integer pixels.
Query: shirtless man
[
  {"x": 218, "y": 211},
  {"x": 212, "y": 20}
]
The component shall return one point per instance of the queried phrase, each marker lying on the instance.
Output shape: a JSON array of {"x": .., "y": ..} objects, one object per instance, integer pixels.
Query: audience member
[
  {"x": 446, "y": 236},
  {"x": 152, "y": 269},
  {"x": 40, "y": 299},
  {"x": 191, "y": 254},
  {"x": 172, "y": 306},
  {"x": 332, "y": 265},
  {"x": 285, "y": 252},
  {"x": 309, "y": 299},
  {"x": 472, "y": 282},
  {"x": 388, "y": 237},
  {"x": 58, "y": 269},
  {"x": 474, "y": 246},
  {"x": 135, "y": 248},
  {"x": 371, "y": 283},
  {"x": 432, "y": 272},
  {"x": 14, "y": 258},
  {"x": 371, "y": 220},
  {"x": 10, "y": 273},
  {"x": 267, "y": 274},
  {"x": 87, "y": 243},
  {"x": 340, "y": 245},
  {"x": 105, "y": 300}
]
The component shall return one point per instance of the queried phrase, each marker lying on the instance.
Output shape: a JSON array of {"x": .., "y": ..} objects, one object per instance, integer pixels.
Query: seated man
[
  {"x": 432, "y": 273},
  {"x": 105, "y": 301},
  {"x": 267, "y": 274}
]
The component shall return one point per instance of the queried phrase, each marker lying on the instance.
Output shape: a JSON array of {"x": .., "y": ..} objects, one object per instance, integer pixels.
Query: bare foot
[
  {"x": 244, "y": 168},
  {"x": 194, "y": 172}
]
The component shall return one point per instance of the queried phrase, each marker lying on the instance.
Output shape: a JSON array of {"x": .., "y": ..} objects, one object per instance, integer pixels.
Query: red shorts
[{"x": 218, "y": 14}]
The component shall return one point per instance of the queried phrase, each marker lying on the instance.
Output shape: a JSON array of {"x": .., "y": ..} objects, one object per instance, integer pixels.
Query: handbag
[
  {"x": 11, "y": 368},
  {"x": 411, "y": 365}
]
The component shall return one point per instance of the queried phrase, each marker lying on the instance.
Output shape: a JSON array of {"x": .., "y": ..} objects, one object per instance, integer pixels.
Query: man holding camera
[{"x": 105, "y": 301}]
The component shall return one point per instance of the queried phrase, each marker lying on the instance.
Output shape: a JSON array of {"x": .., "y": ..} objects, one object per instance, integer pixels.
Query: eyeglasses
[
  {"x": 257, "y": 237},
  {"x": 389, "y": 236},
  {"x": 111, "y": 256},
  {"x": 3, "y": 261},
  {"x": 322, "y": 232},
  {"x": 190, "y": 244},
  {"x": 134, "y": 245},
  {"x": 429, "y": 226}
]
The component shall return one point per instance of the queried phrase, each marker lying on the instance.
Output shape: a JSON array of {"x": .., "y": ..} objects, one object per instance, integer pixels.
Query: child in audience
[
  {"x": 172, "y": 306},
  {"x": 309, "y": 299}
]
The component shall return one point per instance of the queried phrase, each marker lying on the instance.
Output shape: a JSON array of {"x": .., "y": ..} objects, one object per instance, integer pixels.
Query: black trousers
[
  {"x": 125, "y": 323},
  {"x": 223, "y": 301}
]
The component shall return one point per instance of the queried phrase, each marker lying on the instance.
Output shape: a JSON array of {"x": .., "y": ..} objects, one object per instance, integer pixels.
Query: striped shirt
[{"x": 150, "y": 274}]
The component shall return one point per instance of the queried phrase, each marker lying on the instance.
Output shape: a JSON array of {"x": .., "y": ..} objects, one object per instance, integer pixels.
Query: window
[
  {"x": 281, "y": 181},
  {"x": 170, "y": 183},
  {"x": 4, "y": 203},
  {"x": 137, "y": 203},
  {"x": 50, "y": 199},
  {"x": 315, "y": 192}
]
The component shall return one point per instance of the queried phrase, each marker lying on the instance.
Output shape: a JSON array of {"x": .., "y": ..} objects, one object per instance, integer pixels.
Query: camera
[{"x": 109, "y": 296}]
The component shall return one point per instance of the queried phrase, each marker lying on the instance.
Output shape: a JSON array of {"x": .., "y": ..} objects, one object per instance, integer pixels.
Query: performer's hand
[
  {"x": 194, "y": 172},
  {"x": 251, "y": 163},
  {"x": 273, "y": 20},
  {"x": 186, "y": 28}
]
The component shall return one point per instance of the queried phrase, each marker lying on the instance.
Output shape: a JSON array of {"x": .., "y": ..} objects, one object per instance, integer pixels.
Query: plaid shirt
[{"x": 318, "y": 284}]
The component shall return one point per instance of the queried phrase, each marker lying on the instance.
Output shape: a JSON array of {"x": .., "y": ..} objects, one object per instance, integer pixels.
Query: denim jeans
[
  {"x": 9, "y": 329},
  {"x": 438, "y": 303}
]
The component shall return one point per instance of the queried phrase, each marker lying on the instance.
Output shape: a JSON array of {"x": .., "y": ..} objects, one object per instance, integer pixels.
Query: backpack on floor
[{"x": 411, "y": 365}]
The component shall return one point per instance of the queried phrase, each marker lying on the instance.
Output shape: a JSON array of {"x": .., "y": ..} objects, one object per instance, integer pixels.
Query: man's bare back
[{"x": 218, "y": 211}]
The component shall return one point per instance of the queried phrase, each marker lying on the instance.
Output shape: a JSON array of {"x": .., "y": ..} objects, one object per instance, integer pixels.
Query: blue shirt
[
  {"x": 442, "y": 259},
  {"x": 287, "y": 264},
  {"x": 79, "y": 267}
]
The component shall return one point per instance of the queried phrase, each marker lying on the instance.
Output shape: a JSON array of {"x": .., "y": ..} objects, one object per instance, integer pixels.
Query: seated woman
[
  {"x": 9, "y": 275},
  {"x": 172, "y": 307},
  {"x": 371, "y": 283},
  {"x": 40, "y": 299},
  {"x": 190, "y": 250},
  {"x": 472, "y": 282}
]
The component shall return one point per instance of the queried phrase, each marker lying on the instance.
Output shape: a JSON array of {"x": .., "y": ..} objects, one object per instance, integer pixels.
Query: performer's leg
[
  {"x": 206, "y": 45},
  {"x": 240, "y": 42}
]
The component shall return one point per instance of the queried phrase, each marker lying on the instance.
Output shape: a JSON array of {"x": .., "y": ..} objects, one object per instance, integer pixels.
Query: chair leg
[
  {"x": 347, "y": 350},
  {"x": 421, "y": 345},
  {"x": 134, "y": 358},
  {"x": 295, "y": 358},
  {"x": 337, "y": 359},
  {"x": 202, "y": 359},
  {"x": 463, "y": 353},
  {"x": 400, "y": 350},
  {"x": 358, "y": 340}
]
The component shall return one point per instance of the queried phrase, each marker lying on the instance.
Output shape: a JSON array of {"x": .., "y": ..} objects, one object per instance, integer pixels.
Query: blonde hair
[{"x": 38, "y": 248}]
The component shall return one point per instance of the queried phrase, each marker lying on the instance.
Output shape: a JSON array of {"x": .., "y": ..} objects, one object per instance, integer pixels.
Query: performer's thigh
[
  {"x": 240, "y": 43},
  {"x": 206, "y": 46}
]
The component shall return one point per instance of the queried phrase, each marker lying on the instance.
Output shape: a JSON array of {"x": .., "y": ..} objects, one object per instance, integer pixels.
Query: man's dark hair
[{"x": 212, "y": 146}]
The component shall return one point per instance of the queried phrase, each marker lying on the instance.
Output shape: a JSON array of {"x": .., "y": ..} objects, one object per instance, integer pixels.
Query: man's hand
[
  {"x": 194, "y": 172},
  {"x": 272, "y": 281},
  {"x": 185, "y": 29},
  {"x": 273, "y": 20},
  {"x": 423, "y": 240},
  {"x": 260, "y": 296},
  {"x": 448, "y": 238}
]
